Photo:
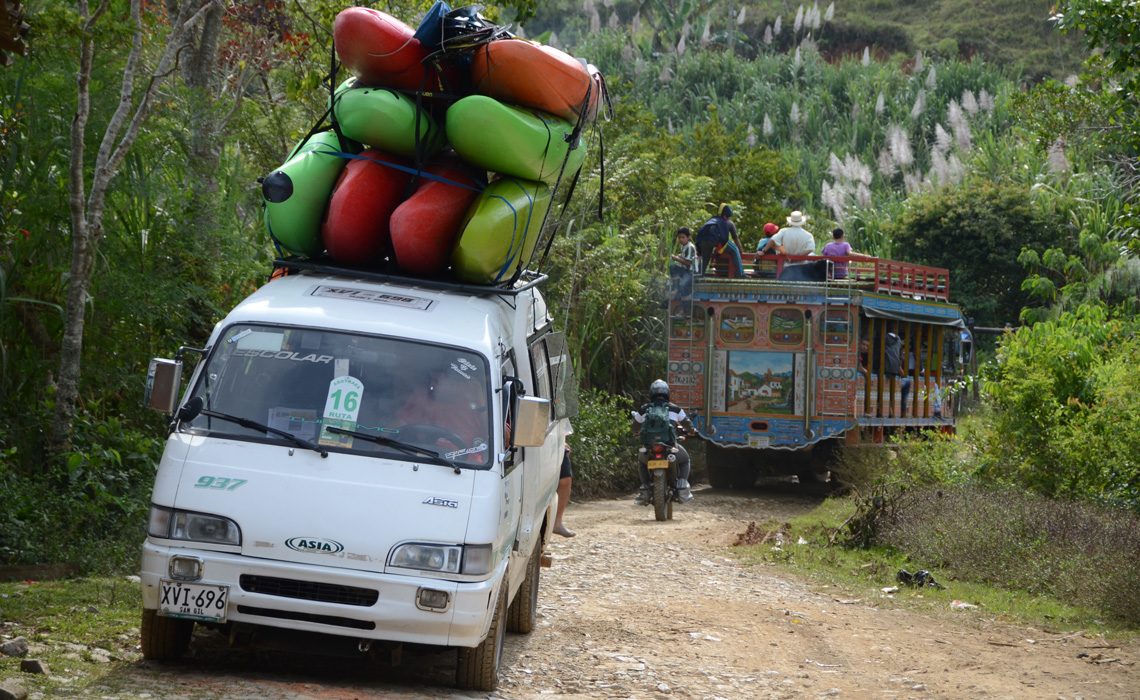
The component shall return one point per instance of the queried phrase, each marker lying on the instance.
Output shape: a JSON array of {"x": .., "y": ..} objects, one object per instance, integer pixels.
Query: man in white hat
[{"x": 793, "y": 239}]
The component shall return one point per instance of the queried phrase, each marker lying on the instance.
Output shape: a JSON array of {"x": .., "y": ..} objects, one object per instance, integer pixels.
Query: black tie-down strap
[{"x": 605, "y": 108}]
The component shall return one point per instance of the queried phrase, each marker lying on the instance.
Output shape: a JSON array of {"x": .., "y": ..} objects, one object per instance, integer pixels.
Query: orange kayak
[
  {"x": 382, "y": 51},
  {"x": 541, "y": 77}
]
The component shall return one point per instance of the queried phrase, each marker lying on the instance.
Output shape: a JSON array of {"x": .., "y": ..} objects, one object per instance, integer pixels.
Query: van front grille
[
  {"x": 308, "y": 617},
  {"x": 309, "y": 590}
]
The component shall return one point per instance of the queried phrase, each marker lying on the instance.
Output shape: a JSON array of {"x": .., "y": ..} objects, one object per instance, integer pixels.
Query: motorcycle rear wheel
[{"x": 661, "y": 501}]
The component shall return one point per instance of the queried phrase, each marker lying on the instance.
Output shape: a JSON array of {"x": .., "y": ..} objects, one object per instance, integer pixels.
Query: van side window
[
  {"x": 507, "y": 397},
  {"x": 540, "y": 368},
  {"x": 562, "y": 377}
]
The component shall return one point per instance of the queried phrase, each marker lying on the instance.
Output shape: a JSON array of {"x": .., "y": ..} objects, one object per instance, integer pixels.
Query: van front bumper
[{"x": 301, "y": 597}]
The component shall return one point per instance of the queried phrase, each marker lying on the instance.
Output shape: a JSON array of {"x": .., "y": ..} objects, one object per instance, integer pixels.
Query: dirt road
[{"x": 633, "y": 608}]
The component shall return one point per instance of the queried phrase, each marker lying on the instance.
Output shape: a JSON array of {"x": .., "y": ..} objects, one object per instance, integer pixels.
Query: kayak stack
[{"x": 445, "y": 150}]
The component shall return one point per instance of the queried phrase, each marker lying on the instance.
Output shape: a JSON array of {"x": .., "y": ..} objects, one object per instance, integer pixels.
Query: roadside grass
[
  {"x": 810, "y": 547},
  {"x": 80, "y": 628}
]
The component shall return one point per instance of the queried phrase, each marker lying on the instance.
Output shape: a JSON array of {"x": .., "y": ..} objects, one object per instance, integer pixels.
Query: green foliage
[
  {"x": 1111, "y": 89},
  {"x": 1112, "y": 30},
  {"x": 1098, "y": 274},
  {"x": 607, "y": 276},
  {"x": 91, "y": 509},
  {"x": 602, "y": 448},
  {"x": 1052, "y": 111},
  {"x": 857, "y": 136},
  {"x": 930, "y": 457},
  {"x": 976, "y": 231},
  {"x": 739, "y": 173},
  {"x": 867, "y": 228},
  {"x": 1063, "y": 392}
]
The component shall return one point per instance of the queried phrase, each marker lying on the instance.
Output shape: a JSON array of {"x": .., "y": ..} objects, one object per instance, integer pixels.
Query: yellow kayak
[{"x": 500, "y": 231}]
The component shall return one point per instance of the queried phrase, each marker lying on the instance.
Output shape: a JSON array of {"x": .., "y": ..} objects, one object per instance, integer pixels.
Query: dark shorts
[{"x": 566, "y": 473}]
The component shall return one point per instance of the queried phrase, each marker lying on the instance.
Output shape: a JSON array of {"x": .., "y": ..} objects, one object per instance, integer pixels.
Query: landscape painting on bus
[{"x": 760, "y": 382}]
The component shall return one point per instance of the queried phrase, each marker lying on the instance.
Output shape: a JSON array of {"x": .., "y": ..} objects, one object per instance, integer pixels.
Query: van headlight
[
  {"x": 471, "y": 559},
  {"x": 174, "y": 524}
]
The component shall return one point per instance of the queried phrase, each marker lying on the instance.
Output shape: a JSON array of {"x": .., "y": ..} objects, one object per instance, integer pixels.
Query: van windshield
[{"x": 304, "y": 380}]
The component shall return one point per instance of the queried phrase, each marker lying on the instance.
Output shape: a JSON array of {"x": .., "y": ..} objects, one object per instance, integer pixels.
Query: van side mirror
[
  {"x": 163, "y": 380},
  {"x": 533, "y": 421}
]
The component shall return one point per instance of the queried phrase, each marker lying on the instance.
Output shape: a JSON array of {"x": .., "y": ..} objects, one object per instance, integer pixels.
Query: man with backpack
[
  {"x": 718, "y": 235},
  {"x": 656, "y": 423}
]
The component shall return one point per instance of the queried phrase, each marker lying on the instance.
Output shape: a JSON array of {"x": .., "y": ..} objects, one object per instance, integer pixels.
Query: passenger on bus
[
  {"x": 838, "y": 247},
  {"x": 718, "y": 235},
  {"x": 684, "y": 265},
  {"x": 794, "y": 239},
  {"x": 764, "y": 244},
  {"x": 764, "y": 247}
]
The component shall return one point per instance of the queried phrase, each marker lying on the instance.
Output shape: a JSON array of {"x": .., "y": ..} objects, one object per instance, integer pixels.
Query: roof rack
[{"x": 527, "y": 280}]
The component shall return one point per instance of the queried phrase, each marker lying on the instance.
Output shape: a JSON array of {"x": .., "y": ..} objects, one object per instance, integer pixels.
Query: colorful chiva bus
[{"x": 806, "y": 354}]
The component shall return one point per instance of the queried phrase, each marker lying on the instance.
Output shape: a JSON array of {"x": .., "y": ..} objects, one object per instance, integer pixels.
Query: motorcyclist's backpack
[{"x": 657, "y": 426}]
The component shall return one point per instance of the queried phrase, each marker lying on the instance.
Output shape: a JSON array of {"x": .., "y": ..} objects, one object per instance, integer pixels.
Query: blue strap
[{"x": 418, "y": 172}]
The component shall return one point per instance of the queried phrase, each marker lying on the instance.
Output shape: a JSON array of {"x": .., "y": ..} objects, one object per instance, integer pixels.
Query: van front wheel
[
  {"x": 164, "y": 638},
  {"x": 478, "y": 667},
  {"x": 523, "y": 613}
]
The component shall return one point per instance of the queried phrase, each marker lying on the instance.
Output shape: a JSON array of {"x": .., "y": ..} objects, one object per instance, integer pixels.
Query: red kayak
[
  {"x": 424, "y": 227},
  {"x": 355, "y": 231},
  {"x": 517, "y": 71},
  {"x": 382, "y": 51}
]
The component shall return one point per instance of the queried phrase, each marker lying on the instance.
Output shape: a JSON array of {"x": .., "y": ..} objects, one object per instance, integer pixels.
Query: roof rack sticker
[{"x": 332, "y": 291}]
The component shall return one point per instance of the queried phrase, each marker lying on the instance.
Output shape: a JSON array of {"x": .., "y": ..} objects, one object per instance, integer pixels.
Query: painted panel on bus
[
  {"x": 737, "y": 325},
  {"x": 760, "y": 383}
]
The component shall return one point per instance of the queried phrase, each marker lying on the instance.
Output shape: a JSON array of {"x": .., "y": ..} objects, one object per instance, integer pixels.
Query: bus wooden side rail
[{"x": 886, "y": 276}]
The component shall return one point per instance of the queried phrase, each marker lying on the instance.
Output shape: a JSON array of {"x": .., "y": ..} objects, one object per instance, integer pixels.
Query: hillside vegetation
[{"x": 1013, "y": 34}]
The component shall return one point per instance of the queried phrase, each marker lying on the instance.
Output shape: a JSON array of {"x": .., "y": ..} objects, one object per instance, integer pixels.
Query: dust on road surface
[{"x": 633, "y": 608}]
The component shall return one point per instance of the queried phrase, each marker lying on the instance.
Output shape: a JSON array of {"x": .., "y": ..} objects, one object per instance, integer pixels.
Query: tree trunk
[{"x": 86, "y": 210}]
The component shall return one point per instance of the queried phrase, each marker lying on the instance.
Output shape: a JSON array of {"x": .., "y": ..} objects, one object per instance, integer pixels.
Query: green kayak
[
  {"x": 501, "y": 228},
  {"x": 385, "y": 119},
  {"x": 297, "y": 193},
  {"x": 513, "y": 141}
]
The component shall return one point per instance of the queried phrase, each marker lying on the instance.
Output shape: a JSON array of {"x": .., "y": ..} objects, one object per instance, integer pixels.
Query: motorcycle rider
[{"x": 659, "y": 400}]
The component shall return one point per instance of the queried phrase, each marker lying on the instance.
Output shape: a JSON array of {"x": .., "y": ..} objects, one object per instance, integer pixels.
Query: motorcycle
[{"x": 662, "y": 465}]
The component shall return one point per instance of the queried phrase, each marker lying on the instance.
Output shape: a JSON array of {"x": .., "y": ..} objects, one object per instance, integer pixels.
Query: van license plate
[
  {"x": 193, "y": 601},
  {"x": 658, "y": 464}
]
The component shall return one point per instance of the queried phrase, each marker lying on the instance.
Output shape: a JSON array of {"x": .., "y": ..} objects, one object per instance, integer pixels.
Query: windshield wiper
[
  {"x": 196, "y": 406},
  {"x": 404, "y": 447}
]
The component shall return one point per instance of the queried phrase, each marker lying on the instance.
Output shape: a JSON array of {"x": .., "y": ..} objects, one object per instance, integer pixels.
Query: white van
[{"x": 361, "y": 457}]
